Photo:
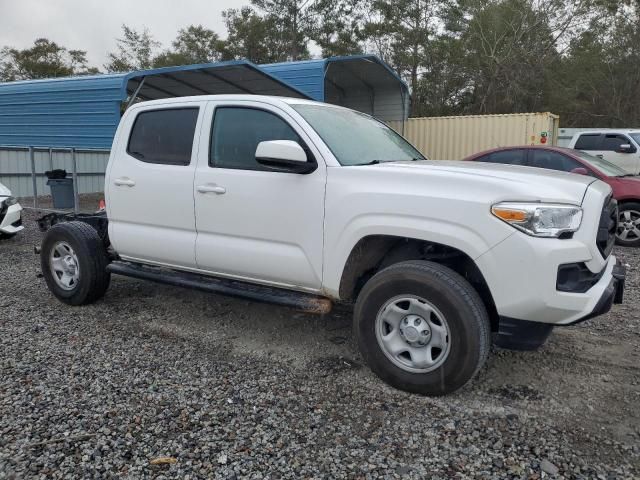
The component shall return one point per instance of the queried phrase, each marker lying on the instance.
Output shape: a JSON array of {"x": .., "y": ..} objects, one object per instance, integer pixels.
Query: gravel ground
[{"x": 230, "y": 389}]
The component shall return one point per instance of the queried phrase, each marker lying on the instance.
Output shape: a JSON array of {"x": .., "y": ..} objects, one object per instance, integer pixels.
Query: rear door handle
[
  {"x": 124, "y": 182},
  {"x": 600, "y": 156},
  {"x": 211, "y": 189}
]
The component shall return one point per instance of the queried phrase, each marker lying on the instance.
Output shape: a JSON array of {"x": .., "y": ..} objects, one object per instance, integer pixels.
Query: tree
[
  {"x": 252, "y": 37},
  {"x": 340, "y": 26},
  {"x": 408, "y": 26},
  {"x": 599, "y": 78},
  {"x": 45, "y": 59},
  {"x": 194, "y": 44},
  {"x": 135, "y": 51},
  {"x": 293, "y": 21}
]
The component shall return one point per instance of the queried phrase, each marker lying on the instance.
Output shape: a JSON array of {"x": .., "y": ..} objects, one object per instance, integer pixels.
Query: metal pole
[
  {"x": 32, "y": 157},
  {"x": 76, "y": 202},
  {"x": 135, "y": 94},
  {"x": 50, "y": 158}
]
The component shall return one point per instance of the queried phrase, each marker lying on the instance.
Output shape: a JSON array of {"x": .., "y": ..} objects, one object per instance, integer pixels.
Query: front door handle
[
  {"x": 600, "y": 156},
  {"x": 211, "y": 189},
  {"x": 124, "y": 182}
]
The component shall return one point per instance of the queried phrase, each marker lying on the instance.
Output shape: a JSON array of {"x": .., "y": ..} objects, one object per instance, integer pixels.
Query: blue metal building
[
  {"x": 362, "y": 82},
  {"x": 83, "y": 112}
]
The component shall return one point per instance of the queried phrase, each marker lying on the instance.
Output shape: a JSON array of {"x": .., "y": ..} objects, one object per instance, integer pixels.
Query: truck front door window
[
  {"x": 237, "y": 131},
  {"x": 611, "y": 143}
]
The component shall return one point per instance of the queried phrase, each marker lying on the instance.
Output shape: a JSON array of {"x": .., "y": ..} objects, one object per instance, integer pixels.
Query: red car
[{"x": 626, "y": 187}]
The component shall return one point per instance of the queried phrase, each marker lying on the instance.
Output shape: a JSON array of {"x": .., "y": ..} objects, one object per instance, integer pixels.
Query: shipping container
[{"x": 454, "y": 138}]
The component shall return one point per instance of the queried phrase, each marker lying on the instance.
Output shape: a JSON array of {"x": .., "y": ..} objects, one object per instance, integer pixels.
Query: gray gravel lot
[{"x": 232, "y": 389}]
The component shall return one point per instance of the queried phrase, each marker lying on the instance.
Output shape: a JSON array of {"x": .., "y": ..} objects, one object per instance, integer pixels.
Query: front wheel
[
  {"x": 74, "y": 263},
  {"x": 628, "y": 232},
  {"x": 422, "y": 328}
]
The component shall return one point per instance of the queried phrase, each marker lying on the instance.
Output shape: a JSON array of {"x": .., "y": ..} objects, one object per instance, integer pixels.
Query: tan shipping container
[{"x": 454, "y": 138}]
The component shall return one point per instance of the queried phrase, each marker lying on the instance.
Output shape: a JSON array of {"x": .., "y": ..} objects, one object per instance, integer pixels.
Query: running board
[{"x": 305, "y": 302}]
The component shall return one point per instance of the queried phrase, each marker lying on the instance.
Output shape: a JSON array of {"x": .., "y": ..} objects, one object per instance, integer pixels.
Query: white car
[
  {"x": 620, "y": 147},
  {"x": 10, "y": 214},
  {"x": 307, "y": 204}
]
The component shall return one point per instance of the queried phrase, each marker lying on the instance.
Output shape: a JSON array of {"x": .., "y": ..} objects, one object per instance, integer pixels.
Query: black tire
[
  {"x": 92, "y": 258},
  {"x": 451, "y": 294},
  {"x": 634, "y": 240},
  {"x": 7, "y": 236}
]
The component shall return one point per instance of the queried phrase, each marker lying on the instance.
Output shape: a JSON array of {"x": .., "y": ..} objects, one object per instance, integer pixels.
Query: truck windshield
[
  {"x": 355, "y": 138},
  {"x": 636, "y": 137}
]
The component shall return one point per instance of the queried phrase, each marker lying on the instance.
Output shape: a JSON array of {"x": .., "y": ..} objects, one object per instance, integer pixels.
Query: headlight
[
  {"x": 10, "y": 201},
  {"x": 540, "y": 219}
]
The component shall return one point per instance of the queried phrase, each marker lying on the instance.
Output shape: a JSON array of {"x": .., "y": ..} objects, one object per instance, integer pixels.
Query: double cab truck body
[{"x": 308, "y": 204}]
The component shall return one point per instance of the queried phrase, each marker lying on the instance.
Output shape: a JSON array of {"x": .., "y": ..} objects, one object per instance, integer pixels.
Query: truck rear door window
[
  {"x": 164, "y": 136},
  {"x": 588, "y": 142}
]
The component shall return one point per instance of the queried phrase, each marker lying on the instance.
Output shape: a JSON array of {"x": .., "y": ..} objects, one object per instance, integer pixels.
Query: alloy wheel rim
[
  {"x": 628, "y": 225},
  {"x": 64, "y": 266},
  {"x": 413, "y": 334}
]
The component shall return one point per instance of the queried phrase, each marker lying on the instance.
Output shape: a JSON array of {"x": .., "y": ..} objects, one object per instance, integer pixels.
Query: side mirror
[
  {"x": 284, "y": 156},
  {"x": 626, "y": 148},
  {"x": 580, "y": 171}
]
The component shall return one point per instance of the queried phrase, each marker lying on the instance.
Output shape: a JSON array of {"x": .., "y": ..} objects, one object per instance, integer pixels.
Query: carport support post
[
  {"x": 76, "y": 202},
  {"x": 32, "y": 158},
  {"x": 50, "y": 159}
]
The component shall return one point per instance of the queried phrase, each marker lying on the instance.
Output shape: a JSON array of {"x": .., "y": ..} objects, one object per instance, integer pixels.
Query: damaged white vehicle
[
  {"x": 307, "y": 204},
  {"x": 10, "y": 214}
]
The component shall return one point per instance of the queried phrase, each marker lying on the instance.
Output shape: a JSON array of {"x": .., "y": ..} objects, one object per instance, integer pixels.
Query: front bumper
[
  {"x": 517, "y": 334},
  {"x": 613, "y": 293},
  {"x": 522, "y": 274},
  {"x": 11, "y": 219}
]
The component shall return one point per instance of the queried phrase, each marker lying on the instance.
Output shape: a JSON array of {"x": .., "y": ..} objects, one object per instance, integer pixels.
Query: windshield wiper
[
  {"x": 372, "y": 162},
  {"x": 376, "y": 162}
]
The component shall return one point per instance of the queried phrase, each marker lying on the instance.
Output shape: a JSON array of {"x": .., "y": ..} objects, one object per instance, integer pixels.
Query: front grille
[{"x": 607, "y": 228}]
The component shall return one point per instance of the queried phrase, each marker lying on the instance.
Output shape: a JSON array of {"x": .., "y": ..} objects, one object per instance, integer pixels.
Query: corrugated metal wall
[
  {"x": 307, "y": 76},
  {"x": 454, "y": 138},
  {"x": 81, "y": 112},
  {"x": 15, "y": 170}
]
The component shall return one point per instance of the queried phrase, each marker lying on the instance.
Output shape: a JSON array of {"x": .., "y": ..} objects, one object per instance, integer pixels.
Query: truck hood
[{"x": 529, "y": 183}]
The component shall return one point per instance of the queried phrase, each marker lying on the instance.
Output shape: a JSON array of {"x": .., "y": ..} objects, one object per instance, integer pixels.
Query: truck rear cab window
[
  {"x": 163, "y": 136},
  {"x": 237, "y": 131},
  {"x": 589, "y": 141}
]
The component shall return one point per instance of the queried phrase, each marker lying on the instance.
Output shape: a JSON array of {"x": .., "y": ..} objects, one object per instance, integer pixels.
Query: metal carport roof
[
  {"x": 83, "y": 112},
  {"x": 361, "y": 82}
]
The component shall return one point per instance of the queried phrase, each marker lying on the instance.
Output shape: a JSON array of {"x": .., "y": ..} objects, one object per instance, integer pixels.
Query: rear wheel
[
  {"x": 628, "y": 232},
  {"x": 422, "y": 327},
  {"x": 74, "y": 263}
]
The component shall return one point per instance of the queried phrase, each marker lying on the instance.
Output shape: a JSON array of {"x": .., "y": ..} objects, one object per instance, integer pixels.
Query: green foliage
[
  {"x": 194, "y": 44},
  {"x": 253, "y": 37},
  {"x": 577, "y": 58},
  {"x": 136, "y": 51},
  {"x": 45, "y": 59}
]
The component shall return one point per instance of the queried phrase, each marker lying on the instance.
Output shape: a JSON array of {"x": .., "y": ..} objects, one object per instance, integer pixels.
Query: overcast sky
[{"x": 93, "y": 25}]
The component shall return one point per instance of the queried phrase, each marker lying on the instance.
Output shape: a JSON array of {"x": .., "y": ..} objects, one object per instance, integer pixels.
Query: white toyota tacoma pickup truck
[{"x": 307, "y": 204}]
